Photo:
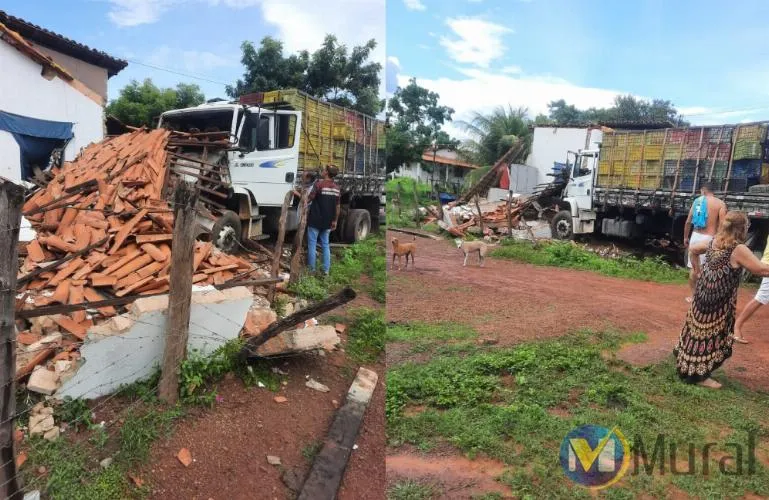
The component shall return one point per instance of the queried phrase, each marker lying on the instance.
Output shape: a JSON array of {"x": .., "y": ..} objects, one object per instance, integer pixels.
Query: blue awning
[{"x": 36, "y": 138}]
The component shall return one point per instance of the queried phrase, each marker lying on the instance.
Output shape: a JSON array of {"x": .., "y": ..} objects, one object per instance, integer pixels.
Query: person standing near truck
[
  {"x": 706, "y": 214},
  {"x": 322, "y": 217}
]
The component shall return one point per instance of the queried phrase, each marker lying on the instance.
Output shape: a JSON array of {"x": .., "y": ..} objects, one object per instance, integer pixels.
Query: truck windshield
[{"x": 214, "y": 120}]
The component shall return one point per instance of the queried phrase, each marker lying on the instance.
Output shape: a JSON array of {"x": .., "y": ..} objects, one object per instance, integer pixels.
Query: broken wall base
[{"x": 129, "y": 348}]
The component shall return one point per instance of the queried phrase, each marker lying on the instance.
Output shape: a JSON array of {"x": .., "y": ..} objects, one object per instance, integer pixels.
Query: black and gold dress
[{"x": 708, "y": 333}]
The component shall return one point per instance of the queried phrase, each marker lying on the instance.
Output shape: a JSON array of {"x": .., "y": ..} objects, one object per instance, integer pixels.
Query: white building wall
[
  {"x": 24, "y": 91},
  {"x": 550, "y": 144}
]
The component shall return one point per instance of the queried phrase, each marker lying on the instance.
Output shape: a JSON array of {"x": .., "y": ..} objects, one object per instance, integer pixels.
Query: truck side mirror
[{"x": 290, "y": 177}]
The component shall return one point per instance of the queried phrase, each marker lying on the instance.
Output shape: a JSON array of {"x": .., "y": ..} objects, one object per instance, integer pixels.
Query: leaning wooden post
[
  {"x": 417, "y": 217},
  {"x": 11, "y": 201},
  {"x": 296, "y": 259},
  {"x": 510, "y": 214},
  {"x": 278, "y": 252},
  {"x": 480, "y": 214},
  {"x": 180, "y": 293}
]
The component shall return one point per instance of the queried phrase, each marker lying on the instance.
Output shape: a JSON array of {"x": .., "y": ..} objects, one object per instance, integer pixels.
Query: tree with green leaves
[
  {"x": 332, "y": 73},
  {"x": 141, "y": 104},
  {"x": 492, "y": 134},
  {"x": 417, "y": 120},
  {"x": 626, "y": 108}
]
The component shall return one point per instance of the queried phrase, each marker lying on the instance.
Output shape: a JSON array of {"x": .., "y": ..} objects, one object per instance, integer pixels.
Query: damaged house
[{"x": 52, "y": 96}]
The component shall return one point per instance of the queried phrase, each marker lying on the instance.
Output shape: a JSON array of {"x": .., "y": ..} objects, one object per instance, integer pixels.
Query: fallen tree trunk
[{"x": 341, "y": 298}]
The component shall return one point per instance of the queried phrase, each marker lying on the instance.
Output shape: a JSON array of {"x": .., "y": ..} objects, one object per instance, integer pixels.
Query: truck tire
[
  {"x": 561, "y": 226},
  {"x": 226, "y": 232},
  {"x": 357, "y": 225}
]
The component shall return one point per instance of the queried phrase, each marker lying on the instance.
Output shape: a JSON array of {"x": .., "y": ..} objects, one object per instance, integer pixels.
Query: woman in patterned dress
[{"x": 708, "y": 333}]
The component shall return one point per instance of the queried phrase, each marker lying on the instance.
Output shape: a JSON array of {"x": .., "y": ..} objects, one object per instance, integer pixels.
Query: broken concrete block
[
  {"x": 288, "y": 310},
  {"x": 40, "y": 424},
  {"x": 258, "y": 319},
  {"x": 40, "y": 344},
  {"x": 42, "y": 325},
  {"x": 43, "y": 381},
  {"x": 62, "y": 366},
  {"x": 273, "y": 460},
  {"x": 314, "y": 384},
  {"x": 304, "y": 339},
  {"x": 120, "y": 323},
  {"x": 52, "y": 434},
  {"x": 212, "y": 296},
  {"x": 147, "y": 305},
  {"x": 240, "y": 292},
  {"x": 105, "y": 463}
]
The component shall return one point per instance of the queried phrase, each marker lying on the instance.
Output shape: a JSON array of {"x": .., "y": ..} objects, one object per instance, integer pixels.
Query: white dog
[{"x": 469, "y": 247}]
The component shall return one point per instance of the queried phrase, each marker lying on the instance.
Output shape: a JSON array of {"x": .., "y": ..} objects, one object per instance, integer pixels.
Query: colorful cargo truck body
[
  {"x": 246, "y": 155},
  {"x": 640, "y": 184}
]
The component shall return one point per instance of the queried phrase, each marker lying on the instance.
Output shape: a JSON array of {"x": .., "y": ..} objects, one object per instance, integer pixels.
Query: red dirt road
[{"x": 516, "y": 302}]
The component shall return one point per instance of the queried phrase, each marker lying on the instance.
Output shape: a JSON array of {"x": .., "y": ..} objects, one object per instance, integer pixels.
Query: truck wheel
[
  {"x": 225, "y": 234},
  {"x": 357, "y": 226},
  {"x": 561, "y": 226}
]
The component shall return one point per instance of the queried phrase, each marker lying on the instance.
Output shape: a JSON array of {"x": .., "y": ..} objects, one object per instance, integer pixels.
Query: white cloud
[
  {"x": 414, "y": 5},
  {"x": 394, "y": 60},
  {"x": 136, "y": 12},
  {"x": 512, "y": 70},
  {"x": 482, "y": 91},
  {"x": 192, "y": 61},
  {"x": 479, "y": 42},
  {"x": 301, "y": 24}
]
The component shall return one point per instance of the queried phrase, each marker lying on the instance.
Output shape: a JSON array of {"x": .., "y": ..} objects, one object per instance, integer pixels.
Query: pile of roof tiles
[{"x": 104, "y": 218}]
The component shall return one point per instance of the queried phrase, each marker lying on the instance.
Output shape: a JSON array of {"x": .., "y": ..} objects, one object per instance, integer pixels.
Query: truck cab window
[
  {"x": 255, "y": 136},
  {"x": 285, "y": 126}
]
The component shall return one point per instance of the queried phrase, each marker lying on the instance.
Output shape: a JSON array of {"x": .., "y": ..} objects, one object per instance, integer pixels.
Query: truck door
[
  {"x": 269, "y": 157},
  {"x": 580, "y": 187}
]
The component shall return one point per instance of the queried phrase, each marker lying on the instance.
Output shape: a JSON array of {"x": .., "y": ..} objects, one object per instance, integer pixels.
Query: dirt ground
[
  {"x": 514, "y": 302},
  {"x": 230, "y": 443}
]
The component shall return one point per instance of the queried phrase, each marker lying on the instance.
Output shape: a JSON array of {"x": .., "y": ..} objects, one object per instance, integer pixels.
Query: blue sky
[
  {"x": 710, "y": 59},
  {"x": 200, "y": 37}
]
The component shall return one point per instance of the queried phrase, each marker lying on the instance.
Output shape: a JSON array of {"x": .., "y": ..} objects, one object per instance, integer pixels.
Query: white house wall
[
  {"x": 25, "y": 92},
  {"x": 550, "y": 144}
]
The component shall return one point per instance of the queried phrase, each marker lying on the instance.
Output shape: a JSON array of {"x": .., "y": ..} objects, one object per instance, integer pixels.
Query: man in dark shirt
[{"x": 322, "y": 217}]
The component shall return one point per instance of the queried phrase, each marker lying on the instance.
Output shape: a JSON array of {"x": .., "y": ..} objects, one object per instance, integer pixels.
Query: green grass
[
  {"x": 400, "y": 208},
  {"x": 567, "y": 254},
  {"x": 411, "y": 490},
  {"x": 366, "y": 335},
  {"x": 444, "y": 337},
  {"x": 365, "y": 258},
  {"x": 73, "y": 470},
  {"x": 516, "y": 405}
]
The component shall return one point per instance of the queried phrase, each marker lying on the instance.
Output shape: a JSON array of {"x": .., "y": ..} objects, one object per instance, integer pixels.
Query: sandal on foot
[{"x": 741, "y": 340}]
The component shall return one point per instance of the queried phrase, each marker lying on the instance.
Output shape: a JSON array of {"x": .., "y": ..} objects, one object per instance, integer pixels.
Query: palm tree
[{"x": 491, "y": 135}]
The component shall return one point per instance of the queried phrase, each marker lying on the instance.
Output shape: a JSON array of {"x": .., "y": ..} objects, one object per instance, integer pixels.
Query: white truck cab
[{"x": 578, "y": 194}]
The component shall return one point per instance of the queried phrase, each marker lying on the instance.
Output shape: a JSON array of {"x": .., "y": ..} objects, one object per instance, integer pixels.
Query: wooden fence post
[
  {"x": 417, "y": 216},
  {"x": 180, "y": 293},
  {"x": 11, "y": 201},
  {"x": 278, "y": 252},
  {"x": 296, "y": 259},
  {"x": 509, "y": 214},
  {"x": 480, "y": 214}
]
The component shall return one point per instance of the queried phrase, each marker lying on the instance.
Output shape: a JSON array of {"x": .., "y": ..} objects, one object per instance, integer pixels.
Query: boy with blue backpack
[{"x": 706, "y": 214}]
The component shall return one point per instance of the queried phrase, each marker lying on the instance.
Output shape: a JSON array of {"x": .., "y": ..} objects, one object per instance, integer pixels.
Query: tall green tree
[
  {"x": 492, "y": 134},
  {"x": 141, "y": 104},
  {"x": 625, "y": 108},
  {"x": 417, "y": 120},
  {"x": 332, "y": 72}
]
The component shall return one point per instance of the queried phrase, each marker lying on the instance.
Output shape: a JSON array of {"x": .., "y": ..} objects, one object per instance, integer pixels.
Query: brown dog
[{"x": 401, "y": 249}]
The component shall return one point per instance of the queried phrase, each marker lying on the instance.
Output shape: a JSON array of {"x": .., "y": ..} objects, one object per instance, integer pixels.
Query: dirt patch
[
  {"x": 230, "y": 443},
  {"x": 517, "y": 302},
  {"x": 455, "y": 476}
]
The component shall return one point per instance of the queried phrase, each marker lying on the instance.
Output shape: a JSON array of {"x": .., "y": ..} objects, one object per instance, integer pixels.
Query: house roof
[
  {"x": 447, "y": 161},
  {"x": 49, "y": 65},
  {"x": 60, "y": 43}
]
